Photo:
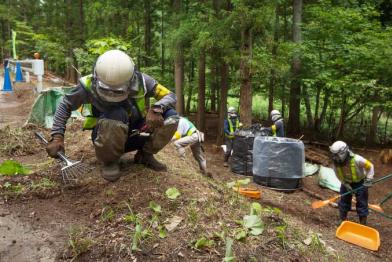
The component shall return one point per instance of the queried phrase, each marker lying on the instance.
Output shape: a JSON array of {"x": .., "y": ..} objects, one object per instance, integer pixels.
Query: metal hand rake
[{"x": 70, "y": 169}]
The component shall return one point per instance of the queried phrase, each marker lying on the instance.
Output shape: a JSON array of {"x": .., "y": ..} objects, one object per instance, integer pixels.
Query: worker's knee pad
[{"x": 110, "y": 140}]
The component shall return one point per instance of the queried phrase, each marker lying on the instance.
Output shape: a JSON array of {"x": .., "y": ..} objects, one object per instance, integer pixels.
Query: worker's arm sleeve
[
  {"x": 226, "y": 127},
  {"x": 70, "y": 102},
  {"x": 367, "y": 166},
  {"x": 165, "y": 98}
]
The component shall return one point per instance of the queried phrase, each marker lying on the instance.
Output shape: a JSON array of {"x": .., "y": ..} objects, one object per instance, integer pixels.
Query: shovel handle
[{"x": 374, "y": 182}]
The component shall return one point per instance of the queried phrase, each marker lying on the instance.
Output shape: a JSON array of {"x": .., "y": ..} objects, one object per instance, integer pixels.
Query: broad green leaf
[
  {"x": 11, "y": 167},
  {"x": 172, "y": 193},
  {"x": 136, "y": 238},
  {"x": 255, "y": 208},
  {"x": 241, "y": 235},
  {"x": 229, "y": 257},
  {"x": 155, "y": 207},
  {"x": 203, "y": 243},
  {"x": 254, "y": 224},
  {"x": 237, "y": 183},
  {"x": 162, "y": 232}
]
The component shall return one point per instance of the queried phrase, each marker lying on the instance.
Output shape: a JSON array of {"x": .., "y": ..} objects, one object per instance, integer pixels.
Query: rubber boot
[
  {"x": 342, "y": 217},
  {"x": 111, "y": 172},
  {"x": 363, "y": 220},
  {"x": 149, "y": 161}
]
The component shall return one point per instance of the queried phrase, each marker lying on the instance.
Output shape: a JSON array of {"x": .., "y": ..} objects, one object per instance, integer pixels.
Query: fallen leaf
[{"x": 172, "y": 223}]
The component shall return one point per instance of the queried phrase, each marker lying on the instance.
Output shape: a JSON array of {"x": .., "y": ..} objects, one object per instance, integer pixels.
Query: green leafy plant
[
  {"x": 203, "y": 242},
  {"x": 78, "y": 243},
  {"x": 172, "y": 193},
  {"x": 14, "y": 189},
  {"x": 238, "y": 183},
  {"x": 107, "y": 214},
  {"x": 255, "y": 209},
  {"x": 155, "y": 207},
  {"x": 281, "y": 235},
  {"x": 138, "y": 236},
  {"x": 44, "y": 183},
  {"x": 12, "y": 167},
  {"x": 254, "y": 224},
  {"x": 162, "y": 232},
  {"x": 229, "y": 256}
]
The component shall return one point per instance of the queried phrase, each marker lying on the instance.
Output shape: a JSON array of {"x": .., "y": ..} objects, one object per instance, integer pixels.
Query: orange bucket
[{"x": 359, "y": 235}]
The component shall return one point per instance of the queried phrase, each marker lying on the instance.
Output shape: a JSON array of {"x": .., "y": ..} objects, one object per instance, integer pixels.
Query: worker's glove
[
  {"x": 154, "y": 117},
  {"x": 55, "y": 145},
  {"x": 368, "y": 182},
  {"x": 347, "y": 186}
]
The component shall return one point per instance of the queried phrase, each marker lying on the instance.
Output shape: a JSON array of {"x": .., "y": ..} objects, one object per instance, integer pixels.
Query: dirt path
[{"x": 21, "y": 242}]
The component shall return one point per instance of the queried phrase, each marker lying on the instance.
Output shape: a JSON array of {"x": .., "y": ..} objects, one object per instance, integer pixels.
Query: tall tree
[{"x": 295, "y": 88}]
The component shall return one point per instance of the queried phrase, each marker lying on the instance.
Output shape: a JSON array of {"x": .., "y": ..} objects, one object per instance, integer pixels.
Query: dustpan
[{"x": 359, "y": 235}]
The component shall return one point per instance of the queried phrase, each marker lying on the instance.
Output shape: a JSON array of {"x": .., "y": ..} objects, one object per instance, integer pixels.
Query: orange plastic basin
[{"x": 359, "y": 235}]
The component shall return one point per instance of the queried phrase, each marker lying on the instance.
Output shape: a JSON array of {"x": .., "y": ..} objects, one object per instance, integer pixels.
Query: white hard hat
[
  {"x": 114, "y": 71},
  {"x": 232, "y": 112},
  {"x": 340, "y": 151},
  {"x": 275, "y": 115}
]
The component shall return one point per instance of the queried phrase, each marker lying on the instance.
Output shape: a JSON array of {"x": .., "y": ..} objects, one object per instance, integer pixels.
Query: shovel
[
  {"x": 71, "y": 169},
  {"x": 322, "y": 203}
]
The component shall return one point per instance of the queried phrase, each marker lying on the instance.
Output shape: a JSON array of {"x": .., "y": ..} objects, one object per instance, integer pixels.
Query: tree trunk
[
  {"x": 320, "y": 121},
  {"x": 190, "y": 90},
  {"x": 147, "y": 32},
  {"x": 386, "y": 128},
  {"x": 317, "y": 106},
  {"x": 201, "y": 92},
  {"x": 343, "y": 113},
  {"x": 179, "y": 80},
  {"x": 273, "y": 71},
  {"x": 223, "y": 101},
  {"x": 245, "y": 78},
  {"x": 309, "y": 115},
  {"x": 372, "y": 134},
  {"x": 214, "y": 72},
  {"x": 295, "y": 87}
]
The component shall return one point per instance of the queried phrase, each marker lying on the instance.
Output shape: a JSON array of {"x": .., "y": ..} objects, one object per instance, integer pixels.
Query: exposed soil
[{"x": 43, "y": 220}]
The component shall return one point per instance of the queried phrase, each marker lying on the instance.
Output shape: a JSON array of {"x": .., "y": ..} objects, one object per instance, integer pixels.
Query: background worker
[
  {"x": 231, "y": 124},
  {"x": 354, "y": 172},
  {"x": 113, "y": 100},
  {"x": 188, "y": 135},
  {"x": 277, "y": 128}
]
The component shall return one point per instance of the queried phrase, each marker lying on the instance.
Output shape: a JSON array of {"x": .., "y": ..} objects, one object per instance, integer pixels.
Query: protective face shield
[
  {"x": 339, "y": 151},
  {"x": 114, "y": 76},
  {"x": 275, "y": 115}
]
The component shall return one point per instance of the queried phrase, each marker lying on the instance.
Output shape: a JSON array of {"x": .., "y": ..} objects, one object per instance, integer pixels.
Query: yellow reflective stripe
[
  {"x": 273, "y": 128},
  {"x": 160, "y": 91},
  {"x": 353, "y": 170},
  {"x": 177, "y": 135},
  {"x": 191, "y": 131},
  {"x": 89, "y": 123},
  {"x": 86, "y": 82},
  {"x": 340, "y": 173},
  {"x": 368, "y": 165}
]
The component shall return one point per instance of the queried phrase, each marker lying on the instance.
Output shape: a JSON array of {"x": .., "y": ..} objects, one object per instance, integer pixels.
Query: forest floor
[{"x": 41, "y": 219}]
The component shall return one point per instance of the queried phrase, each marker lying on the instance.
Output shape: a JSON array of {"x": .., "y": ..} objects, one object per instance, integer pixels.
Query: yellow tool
[{"x": 359, "y": 235}]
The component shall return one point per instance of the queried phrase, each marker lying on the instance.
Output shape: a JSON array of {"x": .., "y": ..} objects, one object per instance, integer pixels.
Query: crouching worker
[
  {"x": 277, "y": 128},
  {"x": 354, "y": 172},
  {"x": 188, "y": 135},
  {"x": 113, "y": 102}
]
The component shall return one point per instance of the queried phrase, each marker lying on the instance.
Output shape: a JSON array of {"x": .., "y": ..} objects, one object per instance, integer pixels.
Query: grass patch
[{"x": 78, "y": 243}]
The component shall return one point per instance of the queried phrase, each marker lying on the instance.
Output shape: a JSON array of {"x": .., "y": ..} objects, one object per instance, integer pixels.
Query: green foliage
[
  {"x": 229, "y": 256},
  {"x": 78, "y": 243},
  {"x": 254, "y": 224},
  {"x": 203, "y": 243},
  {"x": 44, "y": 183},
  {"x": 172, "y": 193},
  {"x": 107, "y": 214},
  {"x": 155, "y": 207},
  {"x": 238, "y": 183},
  {"x": 12, "y": 167}
]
